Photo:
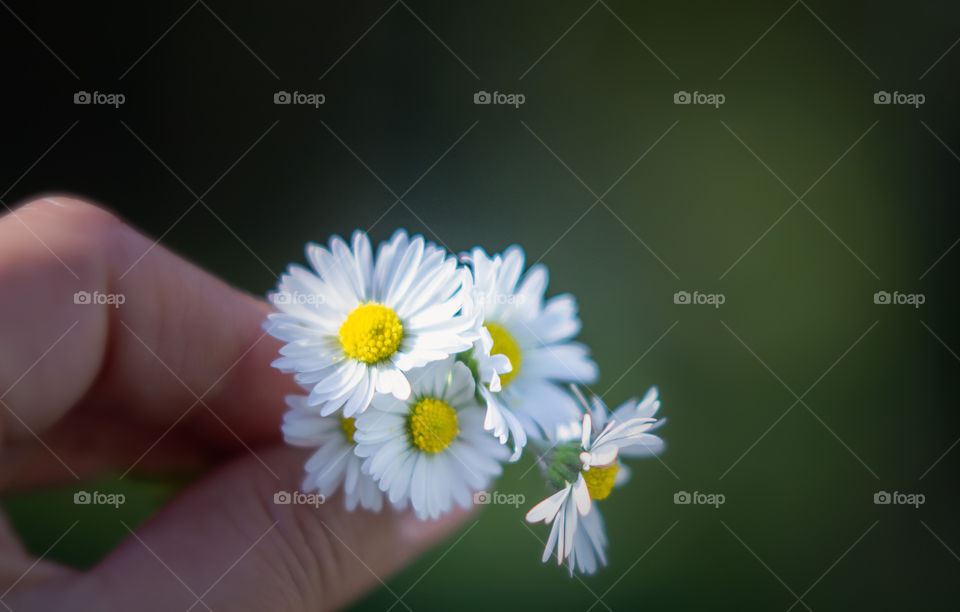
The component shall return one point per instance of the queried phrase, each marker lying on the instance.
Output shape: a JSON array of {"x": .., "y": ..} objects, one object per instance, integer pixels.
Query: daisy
[
  {"x": 525, "y": 353},
  {"x": 584, "y": 472},
  {"x": 334, "y": 464},
  {"x": 355, "y": 325},
  {"x": 430, "y": 450}
]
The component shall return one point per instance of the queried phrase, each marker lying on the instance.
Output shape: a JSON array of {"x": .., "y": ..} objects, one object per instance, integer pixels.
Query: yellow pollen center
[
  {"x": 504, "y": 344},
  {"x": 349, "y": 426},
  {"x": 600, "y": 480},
  {"x": 432, "y": 425},
  {"x": 371, "y": 333}
]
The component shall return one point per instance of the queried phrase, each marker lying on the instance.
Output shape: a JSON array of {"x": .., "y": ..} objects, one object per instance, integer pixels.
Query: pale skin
[{"x": 121, "y": 377}]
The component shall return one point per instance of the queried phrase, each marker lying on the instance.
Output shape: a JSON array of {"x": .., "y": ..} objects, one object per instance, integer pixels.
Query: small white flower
[
  {"x": 430, "y": 450},
  {"x": 355, "y": 324},
  {"x": 525, "y": 353},
  {"x": 334, "y": 464},
  {"x": 591, "y": 470}
]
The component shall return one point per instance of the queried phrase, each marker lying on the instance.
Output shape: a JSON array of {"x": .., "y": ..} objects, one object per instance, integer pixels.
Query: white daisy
[
  {"x": 525, "y": 353},
  {"x": 334, "y": 464},
  {"x": 355, "y": 325},
  {"x": 430, "y": 450},
  {"x": 584, "y": 472}
]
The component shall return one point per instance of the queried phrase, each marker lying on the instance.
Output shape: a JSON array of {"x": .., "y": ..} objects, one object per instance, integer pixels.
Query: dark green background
[{"x": 599, "y": 99}]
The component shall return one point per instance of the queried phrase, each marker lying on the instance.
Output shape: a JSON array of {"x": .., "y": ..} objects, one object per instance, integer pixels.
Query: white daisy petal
[
  {"x": 400, "y": 485},
  {"x": 585, "y": 430},
  {"x": 589, "y": 543},
  {"x": 328, "y": 407},
  {"x": 560, "y": 525},
  {"x": 602, "y": 456},
  {"x": 391, "y": 380},
  {"x": 548, "y": 509},
  {"x": 332, "y": 271},
  {"x": 623, "y": 476},
  {"x": 580, "y": 496},
  {"x": 341, "y": 377},
  {"x": 385, "y": 455},
  {"x": 552, "y": 540},
  {"x": 385, "y": 263},
  {"x": 418, "y": 485},
  {"x": 616, "y": 435},
  {"x": 406, "y": 272},
  {"x": 346, "y": 265},
  {"x": 557, "y": 321},
  {"x": 564, "y": 362},
  {"x": 364, "y": 260},
  {"x": 361, "y": 399},
  {"x": 510, "y": 271},
  {"x": 646, "y": 445},
  {"x": 532, "y": 287},
  {"x": 569, "y": 528},
  {"x": 503, "y": 424},
  {"x": 436, "y": 272}
]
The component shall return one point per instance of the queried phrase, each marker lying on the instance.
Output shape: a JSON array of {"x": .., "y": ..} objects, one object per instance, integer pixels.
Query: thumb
[{"x": 225, "y": 544}]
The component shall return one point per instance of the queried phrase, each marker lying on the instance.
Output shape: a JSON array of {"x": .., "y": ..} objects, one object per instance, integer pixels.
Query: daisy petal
[{"x": 548, "y": 509}]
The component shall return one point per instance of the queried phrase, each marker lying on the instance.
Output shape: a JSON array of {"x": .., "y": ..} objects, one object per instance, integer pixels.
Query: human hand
[{"x": 175, "y": 378}]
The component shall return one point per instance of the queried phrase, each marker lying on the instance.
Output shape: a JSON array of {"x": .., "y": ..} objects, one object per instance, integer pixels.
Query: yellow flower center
[
  {"x": 432, "y": 425},
  {"x": 504, "y": 344},
  {"x": 371, "y": 333},
  {"x": 349, "y": 426},
  {"x": 600, "y": 480}
]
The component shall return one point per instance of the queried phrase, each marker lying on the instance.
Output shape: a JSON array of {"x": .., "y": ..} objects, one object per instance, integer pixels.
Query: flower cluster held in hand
[{"x": 423, "y": 373}]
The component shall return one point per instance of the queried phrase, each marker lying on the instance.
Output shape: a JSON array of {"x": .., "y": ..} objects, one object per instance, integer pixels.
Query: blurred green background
[{"x": 879, "y": 190}]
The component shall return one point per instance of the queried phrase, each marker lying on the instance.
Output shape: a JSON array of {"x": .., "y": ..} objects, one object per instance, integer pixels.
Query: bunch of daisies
[{"x": 423, "y": 373}]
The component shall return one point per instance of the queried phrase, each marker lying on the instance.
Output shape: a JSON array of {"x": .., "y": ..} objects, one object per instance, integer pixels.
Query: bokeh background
[{"x": 797, "y": 199}]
